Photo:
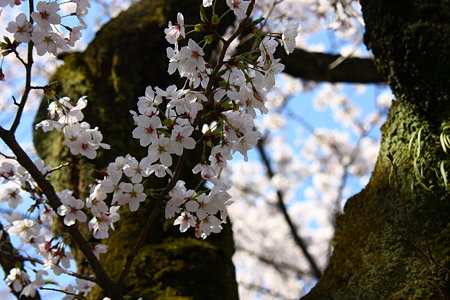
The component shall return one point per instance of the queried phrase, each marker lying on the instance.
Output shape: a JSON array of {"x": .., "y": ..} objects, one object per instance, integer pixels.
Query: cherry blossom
[
  {"x": 26, "y": 229},
  {"x": 46, "y": 14},
  {"x": 30, "y": 289},
  {"x": 17, "y": 278},
  {"x": 185, "y": 220},
  {"x": 71, "y": 208},
  {"x": 288, "y": 37},
  {"x": 239, "y": 7},
  {"x": 96, "y": 202},
  {"x": 168, "y": 125},
  {"x": 174, "y": 32},
  {"x": 11, "y": 196},
  {"x": 21, "y": 28}
]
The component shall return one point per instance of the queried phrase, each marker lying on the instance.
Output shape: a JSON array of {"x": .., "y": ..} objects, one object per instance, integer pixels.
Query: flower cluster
[
  {"x": 80, "y": 138},
  {"x": 33, "y": 231},
  {"x": 236, "y": 95},
  {"x": 44, "y": 27},
  {"x": 213, "y": 115}
]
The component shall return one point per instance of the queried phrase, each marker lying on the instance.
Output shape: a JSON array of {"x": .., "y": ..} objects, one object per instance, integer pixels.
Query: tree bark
[
  {"x": 128, "y": 54},
  {"x": 392, "y": 240}
]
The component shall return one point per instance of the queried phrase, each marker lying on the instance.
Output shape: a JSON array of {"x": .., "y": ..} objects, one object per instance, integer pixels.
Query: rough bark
[
  {"x": 392, "y": 240},
  {"x": 127, "y": 55}
]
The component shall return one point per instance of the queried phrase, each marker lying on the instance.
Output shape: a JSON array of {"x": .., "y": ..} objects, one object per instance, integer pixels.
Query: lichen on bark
[{"x": 127, "y": 55}]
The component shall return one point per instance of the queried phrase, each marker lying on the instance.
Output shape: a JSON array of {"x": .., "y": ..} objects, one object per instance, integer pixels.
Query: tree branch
[
  {"x": 315, "y": 66},
  {"x": 293, "y": 228},
  {"x": 279, "y": 266}
]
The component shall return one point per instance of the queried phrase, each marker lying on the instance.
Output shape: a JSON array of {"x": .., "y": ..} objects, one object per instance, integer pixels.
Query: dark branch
[
  {"x": 281, "y": 267},
  {"x": 262, "y": 290},
  {"x": 292, "y": 227},
  {"x": 315, "y": 66}
]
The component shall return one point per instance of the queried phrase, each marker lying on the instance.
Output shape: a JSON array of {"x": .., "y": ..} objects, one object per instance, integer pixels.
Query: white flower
[
  {"x": 239, "y": 7},
  {"x": 174, "y": 32},
  {"x": 82, "y": 7},
  {"x": 12, "y": 196},
  {"x": 289, "y": 35},
  {"x": 185, "y": 220},
  {"x": 99, "y": 249},
  {"x": 189, "y": 60},
  {"x": 46, "y": 14},
  {"x": 136, "y": 170},
  {"x": 219, "y": 156},
  {"x": 17, "y": 278},
  {"x": 207, "y": 3},
  {"x": 159, "y": 170},
  {"x": 7, "y": 171},
  {"x": 30, "y": 290},
  {"x": 178, "y": 195},
  {"x": 181, "y": 139},
  {"x": 26, "y": 229},
  {"x": 209, "y": 224},
  {"x": 84, "y": 286},
  {"x": 70, "y": 208},
  {"x": 81, "y": 139},
  {"x": 66, "y": 112},
  {"x": 11, "y": 3},
  {"x": 160, "y": 149},
  {"x": 134, "y": 194},
  {"x": 48, "y": 42},
  {"x": 147, "y": 103},
  {"x": 146, "y": 130},
  {"x": 21, "y": 28},
  {"x": 111, "y": 182},
  {"x": 95, "y": 201},
  {"x": 99, "y": 225}
]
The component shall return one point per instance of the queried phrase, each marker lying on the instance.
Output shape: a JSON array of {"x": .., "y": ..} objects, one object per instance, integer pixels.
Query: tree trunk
[
  {"x": 128, "y": 54},
  {"x": 392, "y": 241}
]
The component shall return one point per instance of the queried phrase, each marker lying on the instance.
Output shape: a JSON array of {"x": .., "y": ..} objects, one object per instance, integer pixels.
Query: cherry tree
[{"x": 202, "y": 125}]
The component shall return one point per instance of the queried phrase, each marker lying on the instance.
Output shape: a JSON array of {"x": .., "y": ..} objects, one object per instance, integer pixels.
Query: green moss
[
  {"x": 392, "y": 240},
  {"x": 385, "y": 229}
]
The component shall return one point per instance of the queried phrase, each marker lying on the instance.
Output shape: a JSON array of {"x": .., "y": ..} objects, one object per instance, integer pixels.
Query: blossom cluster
[
  {"x": 44, "y": 25},
  {"x": 80, "y": 138},
  {"x": 213, "y": 114},
  {"x": 33, "y": 230}
]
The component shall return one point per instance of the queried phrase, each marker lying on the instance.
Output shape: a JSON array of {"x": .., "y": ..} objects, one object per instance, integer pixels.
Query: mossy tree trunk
[
  {"x": 392, "y": 241},
  {"x": 128, "y": 54}
]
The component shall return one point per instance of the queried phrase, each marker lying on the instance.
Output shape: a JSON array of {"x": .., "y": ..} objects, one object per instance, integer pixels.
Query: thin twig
[
  {"x": 279, "y": 266},
  {"x": 263, "y": 290},
  {"x": 7, "y": 156},
  {"x": 28, "y": 68},
  {"x": 38, "y": 261},
  {"x": 62, "y": 291},
  {"x": 58, "y": 168}
]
